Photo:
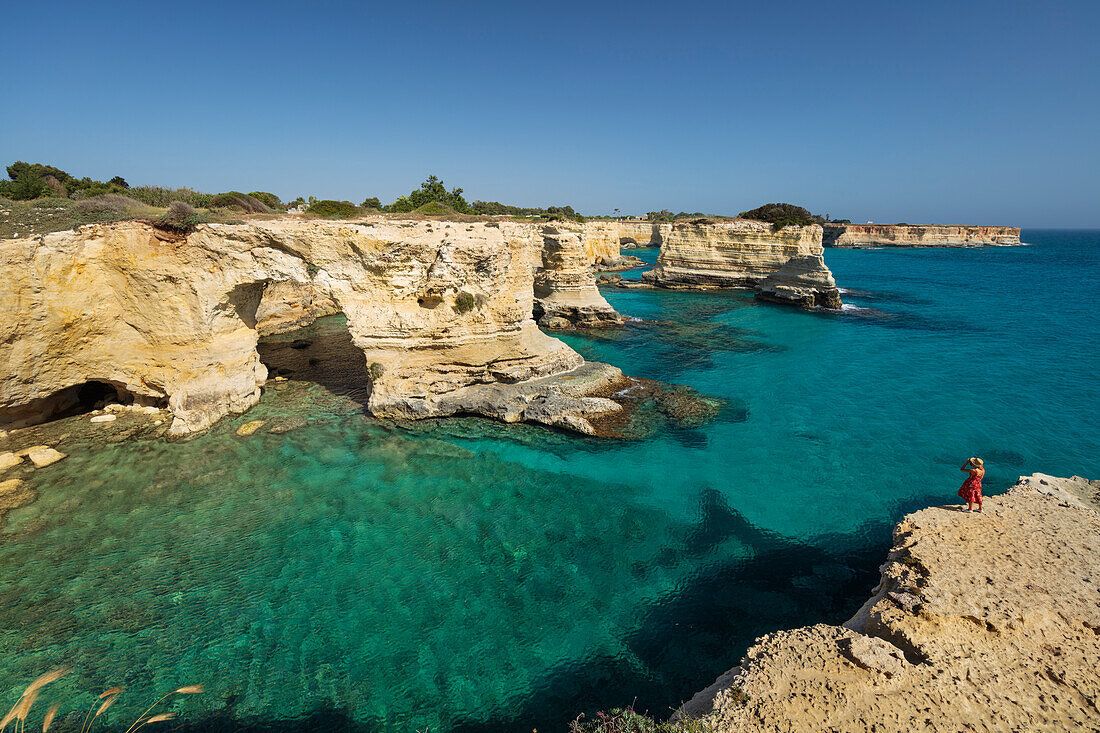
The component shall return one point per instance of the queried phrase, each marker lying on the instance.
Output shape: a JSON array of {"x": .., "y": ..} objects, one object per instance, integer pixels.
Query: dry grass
[{"x": 22, "y": 708}]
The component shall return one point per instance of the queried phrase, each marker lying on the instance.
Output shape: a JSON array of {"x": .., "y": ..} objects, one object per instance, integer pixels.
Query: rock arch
[{"x": 175, "y": 321}]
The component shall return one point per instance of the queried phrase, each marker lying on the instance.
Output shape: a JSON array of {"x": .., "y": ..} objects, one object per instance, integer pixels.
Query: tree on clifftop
[
  {"x": 780, "y": 215},
  {"x": 431, "y": 190}
]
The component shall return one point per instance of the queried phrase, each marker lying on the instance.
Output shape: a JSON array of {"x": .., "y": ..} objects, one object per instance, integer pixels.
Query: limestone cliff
[
  {"x": 442, "y": 312},
  {"x": 985, "y": 622},
  {"x": 642, "y": 233},
  {"x": 785, "y": 265},
  {"x": 565, "y": 289},
  {"x": 603, "y": 239},
  {"x": 804, "y": 281},
  {"x": 600, "y": 240},
  {"x": 905, "y": 235}
]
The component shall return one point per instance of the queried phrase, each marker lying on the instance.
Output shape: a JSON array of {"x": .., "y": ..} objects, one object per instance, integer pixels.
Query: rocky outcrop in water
[
  {"x": 906, "y": 235},
  {"x": 786, "y": 266},
  {"x": 566, "y": 295},
  {"x": 441, "y": 311},
  {"x": 803, "y": 281},
  {"x": 985, "y": 622}
]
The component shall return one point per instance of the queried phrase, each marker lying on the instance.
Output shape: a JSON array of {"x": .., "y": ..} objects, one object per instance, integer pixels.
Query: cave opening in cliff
[
  {"x": 78, "y": 399},
  {"x": 322, "y": 353}
]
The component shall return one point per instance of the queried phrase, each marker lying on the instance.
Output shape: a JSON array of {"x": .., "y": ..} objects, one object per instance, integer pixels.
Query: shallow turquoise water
[{"x": 464, "y": 575}]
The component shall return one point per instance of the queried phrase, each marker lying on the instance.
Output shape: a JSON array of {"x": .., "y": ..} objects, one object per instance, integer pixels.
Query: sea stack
[
  {"x": 565, "y": 289},
  {"x": 784, "y": 265}
]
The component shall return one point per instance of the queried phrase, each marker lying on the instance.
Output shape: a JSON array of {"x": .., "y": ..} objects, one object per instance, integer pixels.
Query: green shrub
[
  {"x": 465, "y": 302},
  {"x": 239, "y": 200},
  {"x": 24, "y": 189},
  {"x": 780, "y": 215},
  {"x": 333, "y": 209},
  {"x": 109, "y": 206},
  {"x": 180, "y": 218},
  {"x": 376, "y": 371},
  {"x": 372, "y": 202},
  {"x": 160, "y": 197},
  {"x": 434, "y": 208},
  {"x": 269, "y": 200}
]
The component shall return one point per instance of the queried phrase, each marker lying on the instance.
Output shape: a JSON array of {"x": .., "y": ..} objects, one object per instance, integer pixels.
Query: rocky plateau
[
  {"x": 908, "y": 235},
  {"x": 981, "y": 622}
]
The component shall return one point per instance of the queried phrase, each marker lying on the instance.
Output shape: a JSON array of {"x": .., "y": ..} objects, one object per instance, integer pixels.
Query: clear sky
[{"x": 981, "y": 112}]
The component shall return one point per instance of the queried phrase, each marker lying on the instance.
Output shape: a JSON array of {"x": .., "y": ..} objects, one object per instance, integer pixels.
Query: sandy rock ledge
[{"x": 982, "y": 622}]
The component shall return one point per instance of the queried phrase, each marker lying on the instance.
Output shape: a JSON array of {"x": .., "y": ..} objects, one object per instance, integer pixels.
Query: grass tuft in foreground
[
  {"x": 21, "y": 710},
  {"x": 626, "y": 720}
]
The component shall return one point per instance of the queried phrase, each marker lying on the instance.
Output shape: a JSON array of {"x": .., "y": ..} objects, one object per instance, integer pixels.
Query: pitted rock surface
[{"x": 986, "y": 622}]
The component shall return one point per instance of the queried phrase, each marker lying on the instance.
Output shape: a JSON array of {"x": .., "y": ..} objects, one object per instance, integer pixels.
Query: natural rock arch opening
[{"x": 322, "y": 353}]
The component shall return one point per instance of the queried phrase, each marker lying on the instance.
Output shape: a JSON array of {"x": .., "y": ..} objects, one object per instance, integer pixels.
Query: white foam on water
[{"x": 849, "y": 308}]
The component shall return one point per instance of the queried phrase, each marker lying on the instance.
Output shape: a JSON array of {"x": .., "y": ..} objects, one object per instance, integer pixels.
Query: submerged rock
[
  {"x": 15, "y": 493},
  {"x": 250, "y": 427},
  {"x": 43, "y": 455},
  {"x": 8, "y": 460}
]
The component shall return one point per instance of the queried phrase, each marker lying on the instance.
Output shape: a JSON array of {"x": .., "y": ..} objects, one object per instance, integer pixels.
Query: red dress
[{"x": 971, "y": 491}]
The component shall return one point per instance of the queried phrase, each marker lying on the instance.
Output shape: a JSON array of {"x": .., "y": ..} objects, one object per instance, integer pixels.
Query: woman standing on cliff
[{"x": 971, "y": 491}]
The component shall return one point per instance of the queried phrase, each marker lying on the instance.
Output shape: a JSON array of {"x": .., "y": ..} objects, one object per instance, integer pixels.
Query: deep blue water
[{"x": 465, "y": 575}]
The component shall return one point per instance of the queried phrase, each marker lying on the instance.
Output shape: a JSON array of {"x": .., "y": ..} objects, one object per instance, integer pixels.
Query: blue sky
[{"x": 931, "y": 112}]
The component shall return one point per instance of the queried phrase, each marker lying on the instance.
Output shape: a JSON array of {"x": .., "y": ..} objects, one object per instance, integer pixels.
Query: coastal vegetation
[
  {"x": 780, "y": 215},
  {"x": 431, "y": 190},
  {"x": 627, "y": 720},
  {"x": 41, "y": 197},
  {"x": 668, "y": 216},
  {"x": 333, "y": 209},
  {"x": 22, "y": 708},
  {"x": 180, "y": 217}
]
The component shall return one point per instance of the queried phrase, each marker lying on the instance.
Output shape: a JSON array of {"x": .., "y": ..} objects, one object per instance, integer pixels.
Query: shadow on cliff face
[{"x": 323, "y": 354}]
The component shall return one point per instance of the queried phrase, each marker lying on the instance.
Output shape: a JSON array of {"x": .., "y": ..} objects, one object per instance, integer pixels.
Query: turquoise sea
[{"x": 461, "y": 575}]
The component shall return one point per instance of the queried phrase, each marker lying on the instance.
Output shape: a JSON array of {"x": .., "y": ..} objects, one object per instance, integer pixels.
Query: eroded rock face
[
  {"x": 286, "y": 306},
  {"x": 983, "y": 622},
  {"x": 786, "y": 266},
  {"x": 803, "y": 281},
  {"x": 565, "y": 288},
  {"x": 905, "y": 235},
  {"x": 603, "y": 240},
  {"x": 600, "y": 240},
  {"x": 643, "y": 233},
  {"x": 437, "y": 308}
]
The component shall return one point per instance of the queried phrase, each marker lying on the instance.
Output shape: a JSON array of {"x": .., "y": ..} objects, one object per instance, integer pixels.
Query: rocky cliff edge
[
  {"x": 982, "y": 622},
  {"x": 442, "y": 312}
]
